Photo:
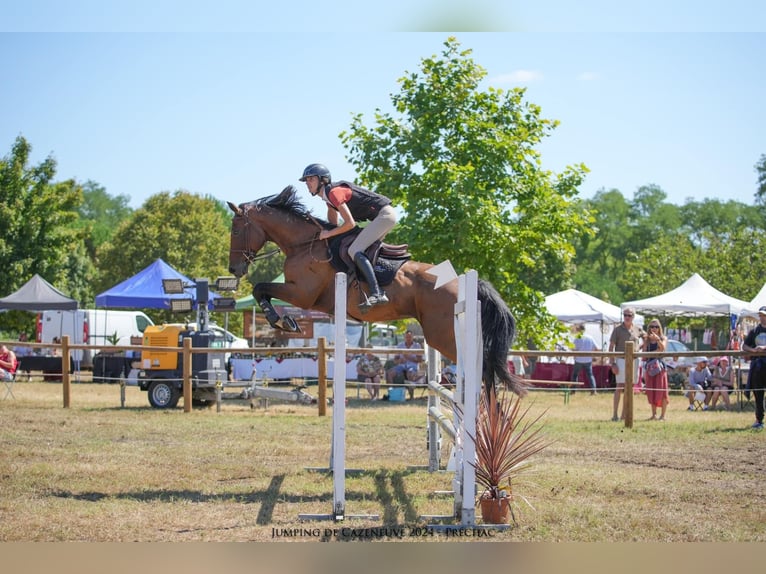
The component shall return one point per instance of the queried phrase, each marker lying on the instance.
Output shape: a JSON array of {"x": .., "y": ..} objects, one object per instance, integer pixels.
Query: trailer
[{"x": 161, "y": 371}]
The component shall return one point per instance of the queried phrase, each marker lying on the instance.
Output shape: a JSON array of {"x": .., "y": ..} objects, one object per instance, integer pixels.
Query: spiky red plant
[{"x": 506, "y": 439}]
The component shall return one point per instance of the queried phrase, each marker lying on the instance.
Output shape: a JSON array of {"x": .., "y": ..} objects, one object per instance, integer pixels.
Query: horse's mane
[{"x": 287, "y": 200}]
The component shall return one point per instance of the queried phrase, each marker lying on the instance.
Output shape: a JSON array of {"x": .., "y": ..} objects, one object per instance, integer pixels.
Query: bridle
[{"x": 251, "y": 257}]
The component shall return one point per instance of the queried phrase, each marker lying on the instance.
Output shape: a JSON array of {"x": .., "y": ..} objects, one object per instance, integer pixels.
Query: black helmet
[{"x": 316, "y": 169}]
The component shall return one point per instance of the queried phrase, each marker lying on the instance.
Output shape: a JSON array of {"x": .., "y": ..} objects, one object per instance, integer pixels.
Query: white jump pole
[
  {"x": 469, "y": 367},
  {"x": 464, "y": 399},
  {"x": 338, "y": 448},
  {"x": 339, "y": 401}
]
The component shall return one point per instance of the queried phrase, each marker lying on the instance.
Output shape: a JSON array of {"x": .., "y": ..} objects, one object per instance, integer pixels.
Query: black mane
[{"x": 287, "y": 200}]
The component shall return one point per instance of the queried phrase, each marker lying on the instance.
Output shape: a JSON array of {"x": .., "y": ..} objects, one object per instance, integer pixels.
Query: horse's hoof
[{"x": 290, "y": 324}]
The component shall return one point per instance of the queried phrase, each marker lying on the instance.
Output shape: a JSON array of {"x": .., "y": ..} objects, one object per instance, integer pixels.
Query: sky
[{"x": 143, "y": 97}]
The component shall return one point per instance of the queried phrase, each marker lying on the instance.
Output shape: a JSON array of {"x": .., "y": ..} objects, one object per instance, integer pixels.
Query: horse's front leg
[{"x": 263, "y": 297}]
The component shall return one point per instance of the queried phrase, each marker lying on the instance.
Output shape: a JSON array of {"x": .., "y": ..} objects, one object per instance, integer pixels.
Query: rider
[{"x": 353, "y": 203}]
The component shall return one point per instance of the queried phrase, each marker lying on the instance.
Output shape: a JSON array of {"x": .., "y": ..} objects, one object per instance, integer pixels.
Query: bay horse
[{"x": 310, "y": 284}]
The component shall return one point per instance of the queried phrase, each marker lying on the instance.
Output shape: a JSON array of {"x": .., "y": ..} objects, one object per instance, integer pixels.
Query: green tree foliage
[
  {"x": 760, "y": 191},
  {"x": 462, "y": 164},
  {"x": 187, "y": 231},
  {"x": 646, "y": 246},
  {"x": 601, "y": 255},
  {"x": 100, "y": 215},
  {"x": 37, "y": 234}
]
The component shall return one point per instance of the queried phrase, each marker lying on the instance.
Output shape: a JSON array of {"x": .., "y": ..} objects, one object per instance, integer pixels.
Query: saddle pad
[{"x": 385, "y": 266}]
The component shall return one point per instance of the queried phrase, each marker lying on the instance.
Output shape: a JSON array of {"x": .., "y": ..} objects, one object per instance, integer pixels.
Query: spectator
[
  {"x": 21, "y": 350},
  {"x": 699, "y": 381},
  {"x": 369, "y": 370},
  {"x": 723, "y": 383},
  {"x": 621, "y": 334},
  {"x": 8, "y": 363},
  {"x": 56, "y": 351},
  {"x": 656, "y": 384},
  {"x": 405, "y": 364},
  {"x": 755, "y": 342},
  {"x": 584, "y": 343},
  {"x": 449, "y": 375}
]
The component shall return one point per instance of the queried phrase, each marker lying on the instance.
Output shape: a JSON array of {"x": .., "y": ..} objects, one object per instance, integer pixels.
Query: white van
[{"x": 91, "y": 327}]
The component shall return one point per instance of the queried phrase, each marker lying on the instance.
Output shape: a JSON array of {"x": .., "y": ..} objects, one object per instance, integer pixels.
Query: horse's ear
[
  {"x": 288, "y": 191},
  {"x": 235, "y": 208}
]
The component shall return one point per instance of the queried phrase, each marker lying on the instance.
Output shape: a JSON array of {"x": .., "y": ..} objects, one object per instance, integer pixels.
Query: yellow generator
[{"x": 161, "y": 373}]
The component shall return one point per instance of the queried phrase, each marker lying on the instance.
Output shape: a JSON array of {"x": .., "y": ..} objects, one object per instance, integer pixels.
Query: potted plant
[{"x": 506, "y": 439}]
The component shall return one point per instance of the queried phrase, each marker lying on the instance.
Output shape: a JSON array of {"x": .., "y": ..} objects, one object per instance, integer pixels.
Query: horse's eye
[{"x": 235, "y": 232}]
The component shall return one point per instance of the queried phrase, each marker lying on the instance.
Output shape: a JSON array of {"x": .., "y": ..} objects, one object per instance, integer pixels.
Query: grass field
[{"x": 99, "y": 472}]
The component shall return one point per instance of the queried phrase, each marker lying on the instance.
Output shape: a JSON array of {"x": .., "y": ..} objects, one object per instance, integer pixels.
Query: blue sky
[{"x": 142, "y": 99}]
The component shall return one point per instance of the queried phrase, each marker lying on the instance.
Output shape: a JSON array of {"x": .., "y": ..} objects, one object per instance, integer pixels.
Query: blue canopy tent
[{"x": 144, "y": 290}]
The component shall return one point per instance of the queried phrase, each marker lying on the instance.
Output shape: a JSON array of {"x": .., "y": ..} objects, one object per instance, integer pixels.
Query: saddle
[{"x": 386, "y": 259}]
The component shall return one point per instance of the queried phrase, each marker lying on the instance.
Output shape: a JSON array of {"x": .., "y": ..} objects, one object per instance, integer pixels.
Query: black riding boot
[{"x": 377, "y": 296}]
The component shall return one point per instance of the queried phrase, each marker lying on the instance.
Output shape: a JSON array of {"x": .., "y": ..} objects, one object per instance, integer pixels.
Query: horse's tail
[{"x": 498, "y": 331}]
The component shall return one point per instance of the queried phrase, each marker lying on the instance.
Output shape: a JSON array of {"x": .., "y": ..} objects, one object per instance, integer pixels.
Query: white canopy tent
[
  {"x": 756, "y": 303},
  {"x": 599, "y": 317},
  {"x": 694, "y": 298}
]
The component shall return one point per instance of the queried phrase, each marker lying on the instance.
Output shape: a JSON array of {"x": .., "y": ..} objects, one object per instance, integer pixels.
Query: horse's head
[{"x": 246, "y": 239}]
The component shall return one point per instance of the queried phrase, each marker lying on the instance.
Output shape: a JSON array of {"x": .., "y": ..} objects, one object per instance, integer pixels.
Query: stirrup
[{"x": 373, "y": 300}]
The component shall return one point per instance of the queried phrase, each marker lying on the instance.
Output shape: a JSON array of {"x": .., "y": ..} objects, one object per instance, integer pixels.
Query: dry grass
[{"x": 98, "y": 472}]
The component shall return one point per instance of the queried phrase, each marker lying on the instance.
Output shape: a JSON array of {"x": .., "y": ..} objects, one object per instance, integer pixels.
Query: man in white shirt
[{"x": 584, "y": 343}]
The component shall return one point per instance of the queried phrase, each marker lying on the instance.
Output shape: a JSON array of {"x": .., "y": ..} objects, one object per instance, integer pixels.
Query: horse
[{"x": 310, "y": 284}]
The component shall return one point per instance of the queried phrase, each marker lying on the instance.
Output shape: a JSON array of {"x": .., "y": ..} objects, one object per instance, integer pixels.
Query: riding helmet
[{"x": 316, "y": 169}]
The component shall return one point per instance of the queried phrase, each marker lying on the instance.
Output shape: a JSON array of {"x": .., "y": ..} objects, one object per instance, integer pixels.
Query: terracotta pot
[{"x": 495, "y": 510}]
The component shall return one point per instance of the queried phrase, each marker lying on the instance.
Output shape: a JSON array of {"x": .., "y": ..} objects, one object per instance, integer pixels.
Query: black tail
[{"x": 498, "y": 331}]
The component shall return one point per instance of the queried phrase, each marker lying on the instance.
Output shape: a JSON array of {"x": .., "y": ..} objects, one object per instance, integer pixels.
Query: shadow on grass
[{"x": 389, "y": 487}]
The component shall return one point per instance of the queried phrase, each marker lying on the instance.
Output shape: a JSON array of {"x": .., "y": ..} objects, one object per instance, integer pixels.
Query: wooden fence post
[
  {"x": 187, "y": 373},
  {"x": 630, "y": 359},
  {"x": 65, "y": 363}
]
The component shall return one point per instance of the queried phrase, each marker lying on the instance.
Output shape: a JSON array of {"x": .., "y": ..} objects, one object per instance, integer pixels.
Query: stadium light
[
  {"x": 227, "y": 283},
  {"x": 172, "y": 286},
  {"x": 180, "y": 305}
]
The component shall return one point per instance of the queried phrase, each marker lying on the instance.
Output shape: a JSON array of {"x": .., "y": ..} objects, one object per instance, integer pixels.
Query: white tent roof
[
  {"x": 756, "y": 303},
  {"x": 759, "y": 300},
  {"x": 573, "y": 306},
  {"x": 695, "y": 297},
  {"x": 599, "y": 317}
]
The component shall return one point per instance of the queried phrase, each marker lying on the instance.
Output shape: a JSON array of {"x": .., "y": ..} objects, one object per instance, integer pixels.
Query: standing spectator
[
  {"x": 8, "y": 363},
  {"x": 621, "y": 334},
  {"x": 657, "y": 384},
  {"x": 723, "y": 383},
  {"x": 755, "y": 342},
  {"x": 584, "y": 343},
  {"x": 699, "y": 381},
  {"x": 369, "y": 370},
  {"x": 518, "y": 365}
]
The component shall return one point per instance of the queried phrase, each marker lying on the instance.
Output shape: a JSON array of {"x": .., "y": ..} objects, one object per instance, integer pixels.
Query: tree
[
  {"x": 600, "y": 256},
  {"x": 101, "y": 214},
  {"x": 462, "y": 164},
  {"x": 36, "y": 235},
  {"x": 760, "y": 192},
  {"x": 187, "y": 231}
]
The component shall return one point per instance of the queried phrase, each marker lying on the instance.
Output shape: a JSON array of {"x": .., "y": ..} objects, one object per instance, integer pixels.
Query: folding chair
[
  {"x": 699, "y": 400},
  {"x": 9, "y": 387}
]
